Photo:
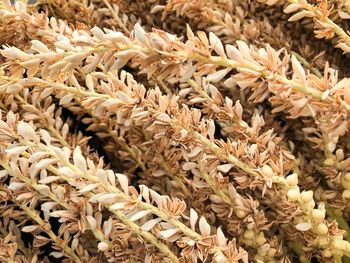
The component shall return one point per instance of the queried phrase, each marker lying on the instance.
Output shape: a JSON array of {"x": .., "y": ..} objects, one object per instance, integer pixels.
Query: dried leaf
[
  {"x": 304, "y": 226},
  {"x": 17, "y": 150},
  {"x": 27, "y": 132},
  {"x": 218, "y": 75},
  {"x": 150, "y": 224},
  {"x": 107, "y": 227},
  {"x": 65, "y": 171},
  {"x": 79, "y": 160},
  {"x": 124, "y": 182},
  {"x": 92, "y": 222},
  {"x": 45, "y": 163},
  {"x": 164, "y": 118},
  {"x": 118, "y": 206},
  {"x": 67, "y": 99},
  {"x": 88, "y": 188},
  {"x": 193, "y": 218},
  {"x": 25, "y": 196},
  {"x": 216, "y": 44},
  {"x": 49, "y": 179},
  {"x": 195, "y": 151},
  {"x": 298, "y": 69},
  {"x": 28, "y": 229},
  {"x": 204, "y": 227},
  {"x": 107, "y": 198},
  {"x": 168, "y": 233},
  {"x": 189, "y": 166},
  {"x": 222, "y": 240},
  {"x": 301, "y": 15},
  {"x": 139, "y": 215},
  {"x": 15, "y": 186}
]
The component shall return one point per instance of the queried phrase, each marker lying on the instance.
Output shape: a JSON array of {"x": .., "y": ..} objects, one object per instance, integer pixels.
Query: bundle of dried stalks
[{"x": 174, "y": 131}]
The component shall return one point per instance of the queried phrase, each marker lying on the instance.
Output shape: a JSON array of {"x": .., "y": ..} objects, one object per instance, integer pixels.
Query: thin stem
[
  {"x": 116, "y": 17},
  {"x": 146, "y": 235},
  {"x": 154, "y": 241},
  {"x": 126, "y": 147},
  {"x": 34, "y": 185},
  {"x": 45, "y": 121},
  {"x": 320, "y": 16},
  {"x": 172, "y": 174},
  {"x": 58, "y": 241}
]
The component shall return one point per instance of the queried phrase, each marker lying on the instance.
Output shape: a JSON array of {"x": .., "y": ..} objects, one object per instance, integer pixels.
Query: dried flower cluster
[{"x": 175, "y": 131}]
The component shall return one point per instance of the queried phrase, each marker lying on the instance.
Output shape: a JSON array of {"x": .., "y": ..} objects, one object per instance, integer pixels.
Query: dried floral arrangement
[{"x": 175, "y": 131}]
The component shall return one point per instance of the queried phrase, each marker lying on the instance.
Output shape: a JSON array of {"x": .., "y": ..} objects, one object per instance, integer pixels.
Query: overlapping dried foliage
[{"x": 175, "y": 131}]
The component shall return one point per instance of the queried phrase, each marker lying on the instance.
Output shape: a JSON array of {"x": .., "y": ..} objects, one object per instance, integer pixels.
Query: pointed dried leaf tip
[
  {"x": 88, "y": 188},
  {"x": 244, "y": 50},
  {"x": 204, "y": 227},
  {"x": 98, "y": 33},
  {"x": 15, "y": 186},
  {"x": 124, "y": 183},
  {"x": 140, "y": 33},
  {"x": 79, "y": 160},
  {"x": 145, "y": 193},
  {"x": 139, "y": 215},
  {"x": 195, "y": 151},
  {"x": 66, "y": 99},
  {"x": 92, "y": 222},
  {"x": 298, "y": 69},
  {"x": 106, "y": 198},
  {"x": 45, "y": 136},
  {"x": 39, "y": 46},
  {"x": 189, "y": 166},
  {"x": 118, "y": 206},
  {"x": 168, "y": 233},
  {"x": 65, "y": 171},
  {"x": 211, "y": 129},
  {"x": 216, "y": 44},
  {"x": 49, "y": 179},
  {"x": 222, "y": 240},
  {"x": 15, "y": 53},
  {"x": 28, "y": 229},
  {"x": 164, "y": 117},
  {"x": 108, "y": 226},
  {"x": 193, "y": 218},
  {"x": 238, "y": 109},
  {"x": 150, "y": 224},
  {"x": 233, "y": 53},
  {"x": 27, "y": 132},
  {"x": 218, "y": 75},
  {"x": 225, "y": 167},
  {"x": 292, "y": 8},
  {"x": 43, "y": 164},
  {"x": 301, "y": 15},
  {"x": 17, "y": 150}
]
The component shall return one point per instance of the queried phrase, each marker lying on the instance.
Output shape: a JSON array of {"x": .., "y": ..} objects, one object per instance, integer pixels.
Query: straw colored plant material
[{"x": 128, "y": 134}]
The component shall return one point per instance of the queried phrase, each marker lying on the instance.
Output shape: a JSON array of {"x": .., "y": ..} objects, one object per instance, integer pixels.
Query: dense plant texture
[{"x": 178, "y": 131}]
